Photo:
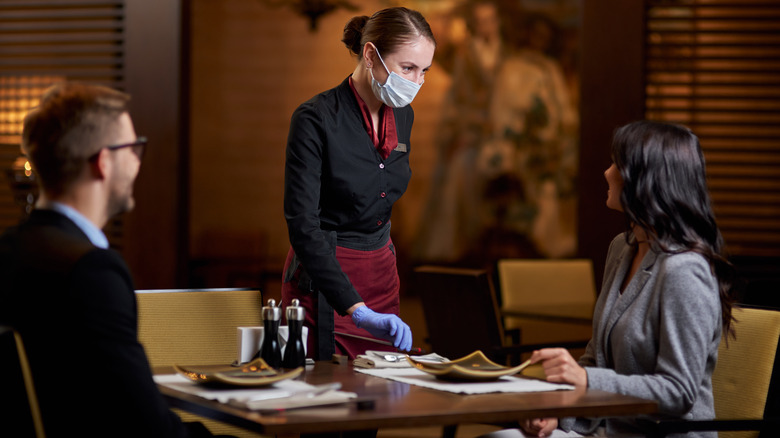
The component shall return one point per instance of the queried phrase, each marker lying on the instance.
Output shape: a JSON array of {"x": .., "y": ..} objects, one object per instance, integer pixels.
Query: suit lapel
[
  {"x": 43, "y": 217},
  {"x": 617, "y": 304}
]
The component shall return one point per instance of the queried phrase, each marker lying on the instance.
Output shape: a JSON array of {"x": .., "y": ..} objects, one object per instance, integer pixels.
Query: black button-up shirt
[{"x": 338, "y": 189}]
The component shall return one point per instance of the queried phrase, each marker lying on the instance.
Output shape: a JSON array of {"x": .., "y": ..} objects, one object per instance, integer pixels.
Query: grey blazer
[{"x": 658, "y": 339}]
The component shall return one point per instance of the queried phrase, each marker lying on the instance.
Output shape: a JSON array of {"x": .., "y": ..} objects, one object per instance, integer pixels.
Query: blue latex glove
[{"x": 385, "y": 326}]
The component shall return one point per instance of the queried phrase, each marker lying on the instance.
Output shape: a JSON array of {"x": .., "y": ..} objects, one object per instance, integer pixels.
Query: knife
[{"x": 414, "y": 350}]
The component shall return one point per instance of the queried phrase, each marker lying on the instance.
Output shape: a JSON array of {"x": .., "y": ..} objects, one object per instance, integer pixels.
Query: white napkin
[
  {"x": 302, "y": 400},
  {"x": 413, "y": 376},
  {"x": 379, "y": 359},
  {"x": 285, "y": 388},
  {"x": 286, "y": 394}
]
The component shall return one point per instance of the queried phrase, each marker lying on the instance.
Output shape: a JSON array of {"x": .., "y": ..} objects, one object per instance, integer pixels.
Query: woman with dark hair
[
  {"x": 667, "y": 292},
  {"x": 347, "y": 162}
]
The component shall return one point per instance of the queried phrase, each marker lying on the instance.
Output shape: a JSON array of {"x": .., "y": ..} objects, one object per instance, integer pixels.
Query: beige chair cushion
[
  {"x": 543, "y": 281},
  {"x": 533, "y": 282},
  {"x": 195, "y": 327},
  {"x": 190, "y": 327},
  {"x": 744, "y": 370}
]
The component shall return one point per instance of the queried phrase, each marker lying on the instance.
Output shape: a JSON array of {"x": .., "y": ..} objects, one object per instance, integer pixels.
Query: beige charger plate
[
  {"x": 475, "y": 367},
  {"x": 253, "y": 374}
]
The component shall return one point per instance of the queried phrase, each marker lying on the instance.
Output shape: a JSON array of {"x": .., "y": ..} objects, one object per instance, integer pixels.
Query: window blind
[
  {"x": 43, "y": 42},
  {"x": 714, "y": 66}
]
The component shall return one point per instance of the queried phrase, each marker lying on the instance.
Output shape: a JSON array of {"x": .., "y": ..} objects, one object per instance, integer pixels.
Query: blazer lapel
[
  {"x": 43, "y": 217},
  {"x": 618, "y": 303}
]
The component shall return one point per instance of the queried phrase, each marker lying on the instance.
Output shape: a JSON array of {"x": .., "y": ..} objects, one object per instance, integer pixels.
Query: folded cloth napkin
[
  {"x": 287, "y": 394},
  {"x": 285, "y": 388},
  {"x": 295, "y": 401},
  {"x": 388, "y": 359},
  {"x": 413, "y": 376}
]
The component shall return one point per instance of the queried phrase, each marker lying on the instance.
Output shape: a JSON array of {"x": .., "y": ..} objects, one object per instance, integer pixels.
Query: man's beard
[{"x": 120, "y": 203}]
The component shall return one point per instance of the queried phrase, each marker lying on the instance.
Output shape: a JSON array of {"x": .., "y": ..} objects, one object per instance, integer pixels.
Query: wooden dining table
[{"x": 384, "y": 403}]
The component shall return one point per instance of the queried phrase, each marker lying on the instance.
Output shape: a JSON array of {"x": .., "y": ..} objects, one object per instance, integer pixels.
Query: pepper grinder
[
  {"x": 271, "y": 352},
  {"x": 294, "y": 354}
]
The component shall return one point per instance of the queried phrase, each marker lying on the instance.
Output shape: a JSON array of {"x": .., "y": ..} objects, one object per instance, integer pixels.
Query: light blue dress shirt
[{"x": 94, "y": 234}]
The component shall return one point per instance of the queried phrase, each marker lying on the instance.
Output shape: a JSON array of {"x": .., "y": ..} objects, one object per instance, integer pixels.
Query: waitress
[{"x": 347, "y": 162}]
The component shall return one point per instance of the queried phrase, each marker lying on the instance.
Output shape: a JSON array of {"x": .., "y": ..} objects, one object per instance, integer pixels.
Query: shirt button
[
  {"x": 383, "y": 194},
  {"x": 379, "y": 223},
  {"x": 381, "y": 165}
]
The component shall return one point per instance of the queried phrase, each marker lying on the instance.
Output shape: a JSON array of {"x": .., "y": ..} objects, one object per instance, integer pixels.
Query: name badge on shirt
[{"x": 400, "y": 148}]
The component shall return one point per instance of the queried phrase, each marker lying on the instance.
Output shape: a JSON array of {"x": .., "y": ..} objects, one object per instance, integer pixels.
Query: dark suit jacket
[{"x": 74, "y": 306}]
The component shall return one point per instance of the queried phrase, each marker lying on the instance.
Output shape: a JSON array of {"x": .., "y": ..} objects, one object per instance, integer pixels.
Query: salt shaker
[
  {"x": 294, "y": 354},
  {"x": 271, "y": 351}
]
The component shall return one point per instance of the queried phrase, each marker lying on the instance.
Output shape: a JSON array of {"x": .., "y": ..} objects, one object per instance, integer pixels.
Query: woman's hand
[
  {"x": 540, "y": 427},
  {"x": 560, "y": 367}
]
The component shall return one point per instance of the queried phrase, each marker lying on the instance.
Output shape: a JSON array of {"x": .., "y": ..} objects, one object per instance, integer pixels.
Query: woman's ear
[{"x": 369, "y": 52}]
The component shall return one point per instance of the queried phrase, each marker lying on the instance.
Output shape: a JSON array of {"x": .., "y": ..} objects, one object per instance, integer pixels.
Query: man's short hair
[{"x": 72, "y": 123}]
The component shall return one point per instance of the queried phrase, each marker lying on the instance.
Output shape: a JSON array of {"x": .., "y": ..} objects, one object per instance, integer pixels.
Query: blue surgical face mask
[{"x": 396, "y": 92}]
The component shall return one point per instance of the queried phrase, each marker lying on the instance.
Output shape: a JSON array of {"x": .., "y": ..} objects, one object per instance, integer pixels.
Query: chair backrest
[
  {"x": 742, "y": 376},
  {"x": 460, "y": 310},
  {"x": 543, "y": 281},
  {"x": 179, "y": 326},
  {"x": 19, "y": 411}
]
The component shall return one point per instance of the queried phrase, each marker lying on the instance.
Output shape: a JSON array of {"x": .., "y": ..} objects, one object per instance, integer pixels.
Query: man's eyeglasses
[{"x": 138, "y": 146}]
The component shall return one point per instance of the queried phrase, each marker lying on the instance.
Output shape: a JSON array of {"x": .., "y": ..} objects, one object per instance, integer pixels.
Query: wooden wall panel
[
  {"x": 156, "y": 231},
  {"x": 612, "y": 95}
]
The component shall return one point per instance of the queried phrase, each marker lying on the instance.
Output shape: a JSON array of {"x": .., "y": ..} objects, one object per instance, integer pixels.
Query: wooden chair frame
[{"x": 12, "y": 346}]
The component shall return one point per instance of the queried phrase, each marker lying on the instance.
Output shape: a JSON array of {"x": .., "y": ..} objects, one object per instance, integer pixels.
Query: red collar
[{"x": 385, "y": 138}]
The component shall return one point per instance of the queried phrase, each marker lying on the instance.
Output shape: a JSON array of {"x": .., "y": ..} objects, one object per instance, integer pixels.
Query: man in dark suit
[{"x": 69, "y": 296}]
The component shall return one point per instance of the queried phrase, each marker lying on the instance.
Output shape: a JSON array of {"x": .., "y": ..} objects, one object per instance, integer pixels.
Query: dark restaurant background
[{"x": 214, "y": 84}]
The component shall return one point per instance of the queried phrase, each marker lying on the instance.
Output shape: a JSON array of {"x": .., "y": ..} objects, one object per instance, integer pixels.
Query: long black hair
[{"x": 665, "y": 194}]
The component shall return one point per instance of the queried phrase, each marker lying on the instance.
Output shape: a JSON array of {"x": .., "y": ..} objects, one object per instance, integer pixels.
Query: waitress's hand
[{"x": 385, "y": 326}]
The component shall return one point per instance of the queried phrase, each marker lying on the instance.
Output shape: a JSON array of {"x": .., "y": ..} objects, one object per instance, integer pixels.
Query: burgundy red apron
[{"x": 374, "y": 275}]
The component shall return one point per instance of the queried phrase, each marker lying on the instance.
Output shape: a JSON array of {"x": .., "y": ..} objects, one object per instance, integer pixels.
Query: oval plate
[
  {"x": 475, "y": 367},
  {"x": 253, "y": 374}
]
